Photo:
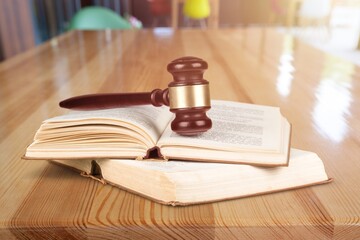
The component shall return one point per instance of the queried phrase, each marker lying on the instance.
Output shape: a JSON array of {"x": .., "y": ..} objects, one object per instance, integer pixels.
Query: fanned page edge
[
  {"x": 24, "y": 157},
  {"x": 151, "y": 153},
  {"x": 96, "y": 174},
  {"x": 164, "y": 114},
  {"x": 179, "y": 204}
]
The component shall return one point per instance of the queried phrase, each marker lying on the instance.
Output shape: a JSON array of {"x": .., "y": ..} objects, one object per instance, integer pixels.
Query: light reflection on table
[{"x": 334, "y": 98}]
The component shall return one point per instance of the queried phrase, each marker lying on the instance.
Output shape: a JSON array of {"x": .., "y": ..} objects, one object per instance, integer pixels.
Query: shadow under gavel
[{"x": 188, "y": 96}]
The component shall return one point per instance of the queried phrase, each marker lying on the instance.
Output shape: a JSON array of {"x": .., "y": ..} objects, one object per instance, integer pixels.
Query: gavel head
[{"x": 189, "y": 96}]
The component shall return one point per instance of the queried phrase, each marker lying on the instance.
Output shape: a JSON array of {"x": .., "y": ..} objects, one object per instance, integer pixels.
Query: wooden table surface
[{"x": 317, "y": 92}]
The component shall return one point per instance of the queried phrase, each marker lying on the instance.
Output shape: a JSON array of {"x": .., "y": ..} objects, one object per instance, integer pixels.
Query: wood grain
[{"x": 317, "y": 92}]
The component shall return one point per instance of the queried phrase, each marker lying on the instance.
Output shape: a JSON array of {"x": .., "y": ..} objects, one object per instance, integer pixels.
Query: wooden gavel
[{"x": 188, "y": 96}]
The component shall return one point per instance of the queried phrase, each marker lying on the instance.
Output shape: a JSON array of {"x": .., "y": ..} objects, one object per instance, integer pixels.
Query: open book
[
  {"x": 241, "y": 133},
  {"x": 186, "y": 182}
]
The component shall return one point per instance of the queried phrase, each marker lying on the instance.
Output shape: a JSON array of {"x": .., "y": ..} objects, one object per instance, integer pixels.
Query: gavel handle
[{"x": 157, "y": 98}]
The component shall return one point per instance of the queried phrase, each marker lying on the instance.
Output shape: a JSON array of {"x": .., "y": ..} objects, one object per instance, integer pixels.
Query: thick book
[
  {"x": 241, "y": 133},
  {"x": 185, "y": 182}
]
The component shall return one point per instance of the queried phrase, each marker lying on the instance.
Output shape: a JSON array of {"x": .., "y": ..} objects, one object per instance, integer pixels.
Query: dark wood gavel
[{"x": 188, "y": 96}]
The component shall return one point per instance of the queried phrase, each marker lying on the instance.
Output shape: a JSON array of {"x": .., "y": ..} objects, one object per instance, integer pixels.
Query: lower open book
[{"x": 183, "y": 183}]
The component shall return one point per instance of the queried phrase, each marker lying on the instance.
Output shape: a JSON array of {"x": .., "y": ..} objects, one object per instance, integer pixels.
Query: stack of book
[{"x": 247, "y": 152}]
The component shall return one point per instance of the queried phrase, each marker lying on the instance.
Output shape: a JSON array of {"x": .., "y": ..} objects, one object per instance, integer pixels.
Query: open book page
[
  {"x": 148, "y": 121},
  {"x": 236, "y": 127}
]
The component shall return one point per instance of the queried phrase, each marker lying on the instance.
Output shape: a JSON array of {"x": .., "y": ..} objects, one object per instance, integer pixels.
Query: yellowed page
[
  {"x": 148, "y": 121},
  {"x": 108, "y": 133},
  {"x": 241, "y": 133},
  {"x": 191, "y": 182}
]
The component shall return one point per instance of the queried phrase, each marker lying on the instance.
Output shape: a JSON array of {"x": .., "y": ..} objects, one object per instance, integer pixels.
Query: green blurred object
[{"x": 97, "y": 18}]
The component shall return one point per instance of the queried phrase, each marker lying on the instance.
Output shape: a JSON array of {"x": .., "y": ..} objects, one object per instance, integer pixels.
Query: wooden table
[{"x": 317, "y": 92}]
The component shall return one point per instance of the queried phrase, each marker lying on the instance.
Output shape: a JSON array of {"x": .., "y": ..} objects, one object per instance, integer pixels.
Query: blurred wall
[
  {"x": 25, "y": 23},
  {"x": 16, "y": 27},
  {"x": 249, "y": 12}
]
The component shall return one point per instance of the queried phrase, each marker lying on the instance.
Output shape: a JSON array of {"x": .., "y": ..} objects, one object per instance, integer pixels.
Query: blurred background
[{"x": 333, "y": 25}]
